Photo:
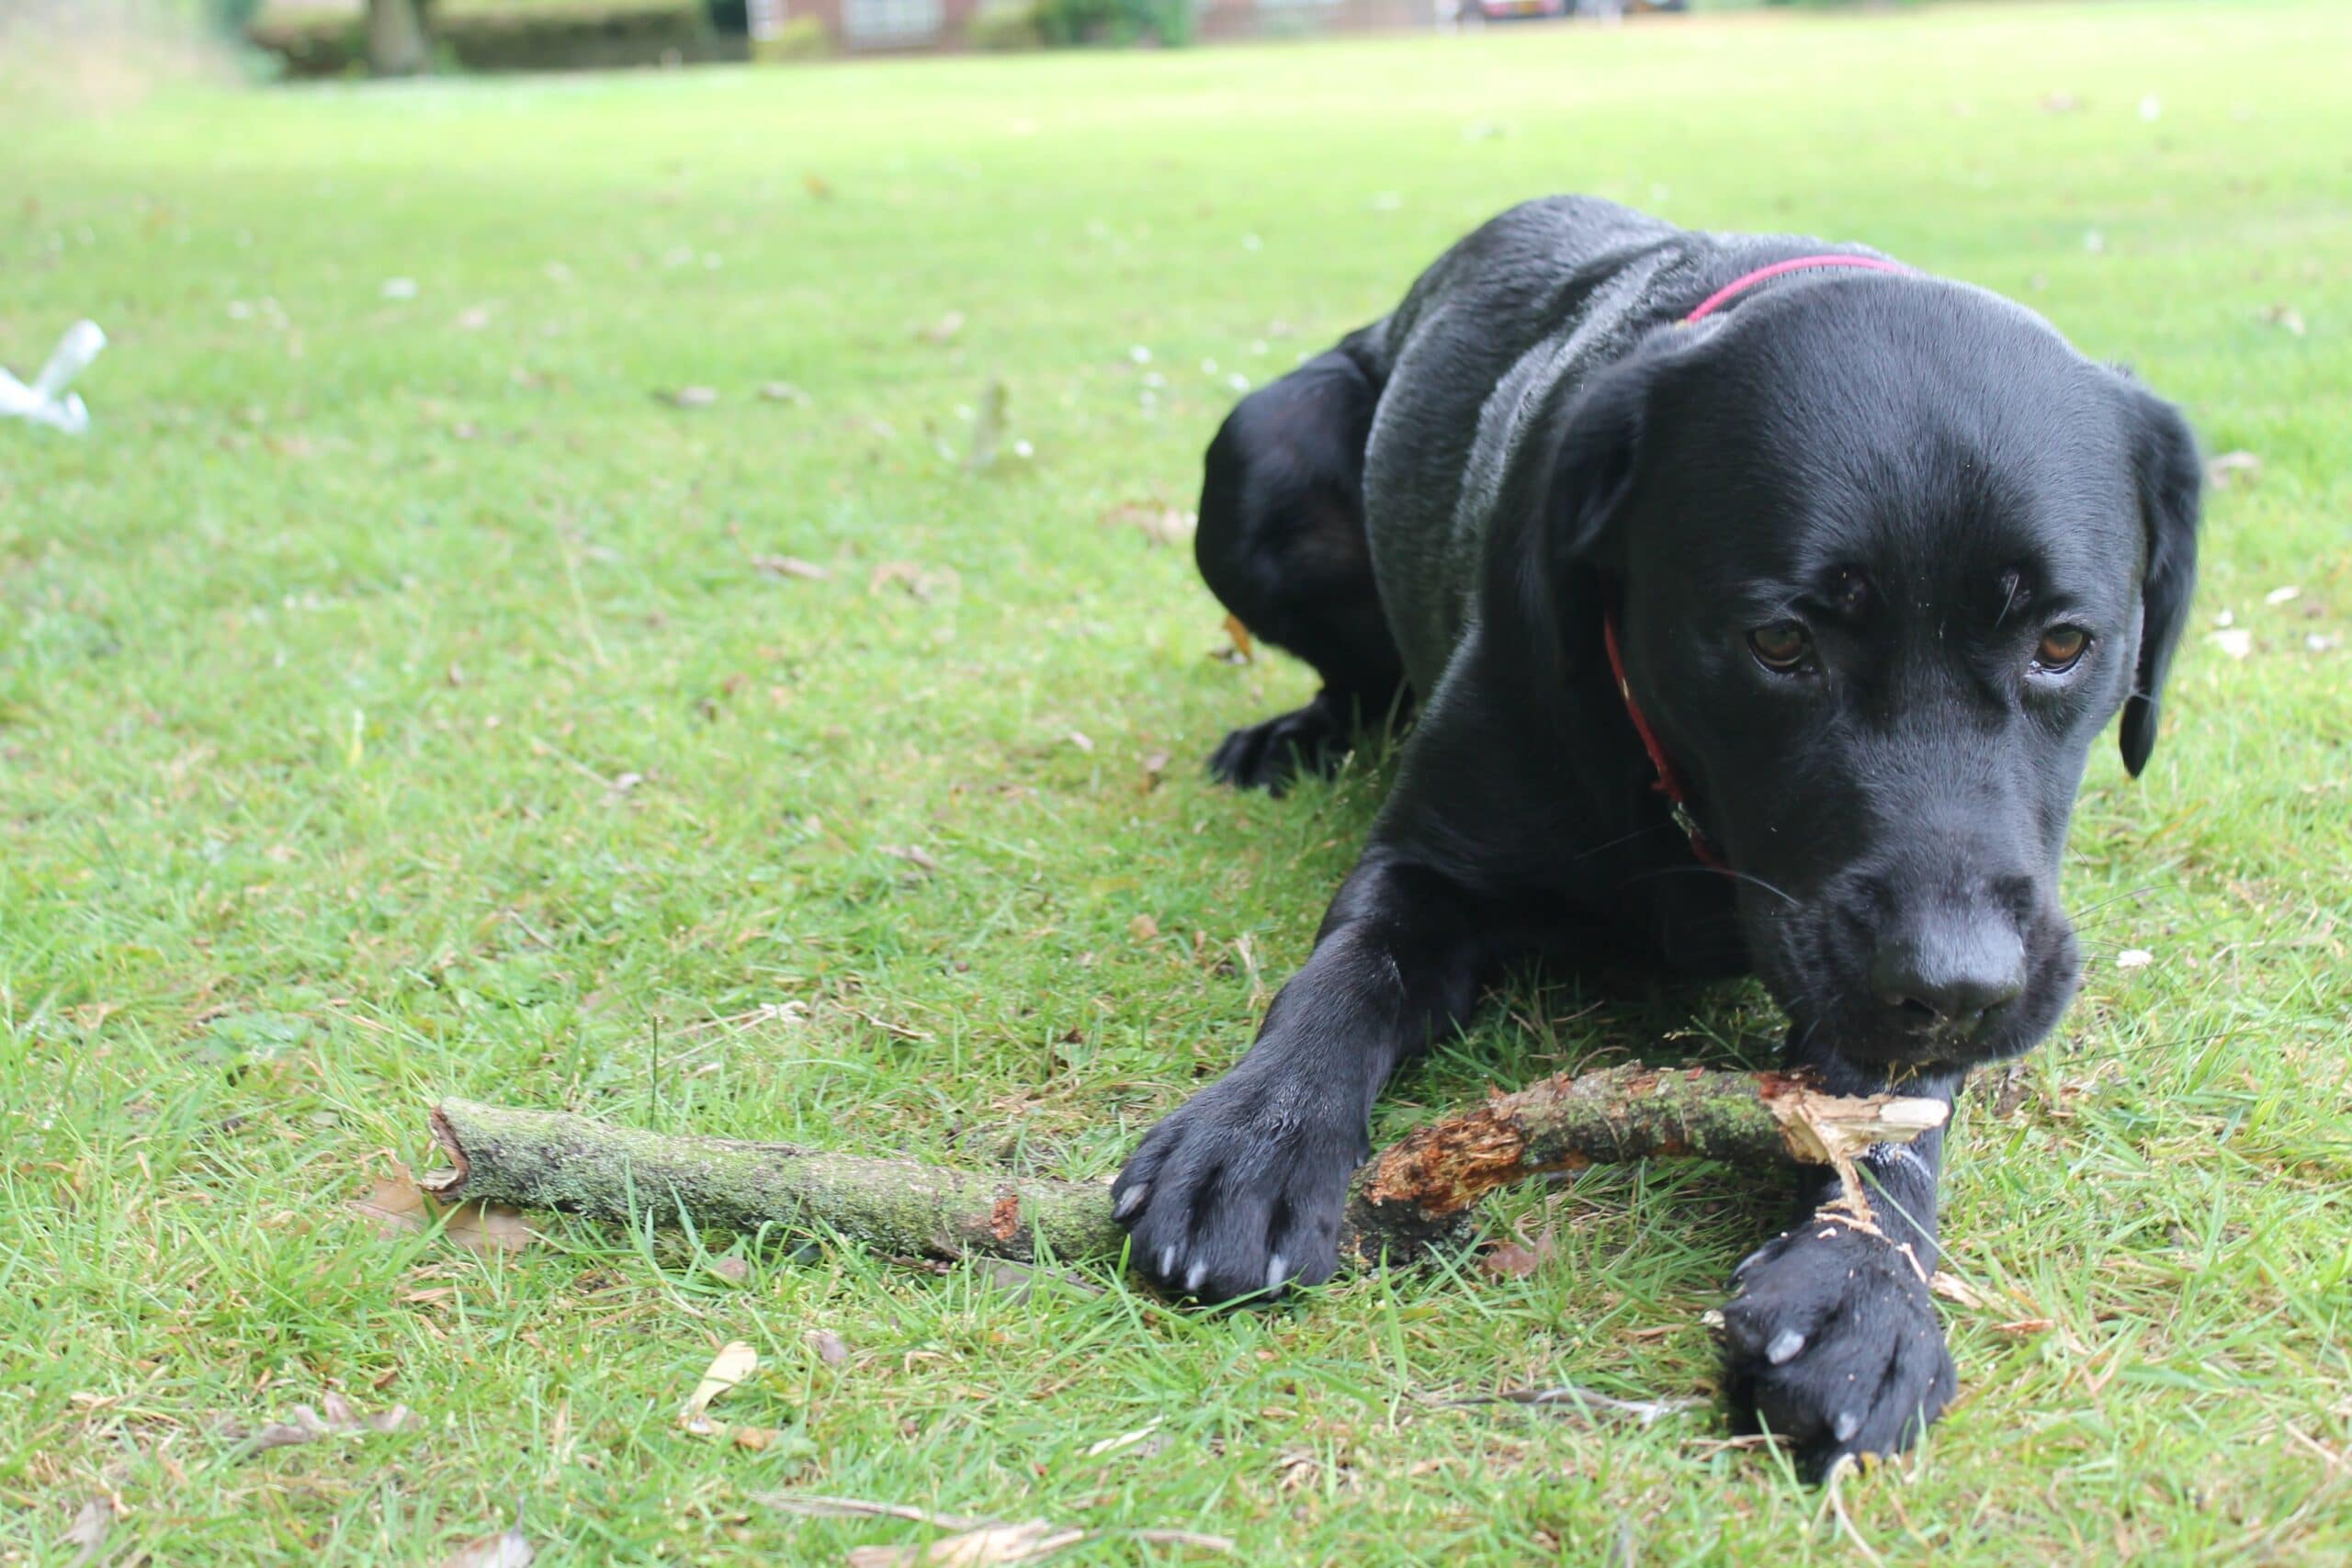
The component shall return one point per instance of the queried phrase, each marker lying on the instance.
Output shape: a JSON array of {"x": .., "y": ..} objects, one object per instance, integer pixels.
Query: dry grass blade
[
  {"x": 334, "y": 1418},
  {"x": 1585, "y": 1401},
  {"x": 817, "y": 1506}
]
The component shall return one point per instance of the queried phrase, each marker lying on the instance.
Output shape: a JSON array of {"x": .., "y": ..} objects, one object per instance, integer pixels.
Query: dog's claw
[{"x": 1129, "y": 1201}]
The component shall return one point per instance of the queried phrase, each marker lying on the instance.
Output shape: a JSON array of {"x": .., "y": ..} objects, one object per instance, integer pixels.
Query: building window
[{"x": 889, "y": 21}]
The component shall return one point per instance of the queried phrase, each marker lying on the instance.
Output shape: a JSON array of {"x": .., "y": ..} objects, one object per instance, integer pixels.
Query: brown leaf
[
  {"x": 396, "y": 1205},
  {"x": 1509, "y": 1260},
  {"x": 818, "y": 187},
  {"x": 2023, "y": 1326},
  {"x": 735, "y": 1361},
  {"x": 1239, "y": 649},
  {"x": 1143, "y": 928},
  {"x": 944, "y": 329},
  {"x": 507, "y": 1549},
  {"x": 831, "y": 1348},
  {"x": 791, "y": 566}
]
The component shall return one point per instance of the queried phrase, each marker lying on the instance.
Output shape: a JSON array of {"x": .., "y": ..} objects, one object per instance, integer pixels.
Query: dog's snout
[{"x": 1948, "y": 976}]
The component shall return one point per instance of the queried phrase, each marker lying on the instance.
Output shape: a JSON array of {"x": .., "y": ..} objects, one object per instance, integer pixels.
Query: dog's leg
[
  {"x": 1831, "y": 1338},
  {"x": 1282, "y": 543},
  {"x": 1241, "y": 1190}
]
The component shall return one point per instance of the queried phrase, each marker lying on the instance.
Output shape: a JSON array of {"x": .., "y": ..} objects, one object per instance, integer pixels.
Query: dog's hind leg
[{"x": 1282, "y": 543}]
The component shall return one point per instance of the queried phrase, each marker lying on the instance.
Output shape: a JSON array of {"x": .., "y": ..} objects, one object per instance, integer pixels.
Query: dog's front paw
[
  {"x": 1831, "y": 1341},
  {"x": 1238, "y": 1192}
]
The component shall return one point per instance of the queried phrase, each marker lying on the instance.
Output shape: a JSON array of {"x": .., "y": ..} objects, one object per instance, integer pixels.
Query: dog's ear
[
  {"x": 2171, "y": 483},
  {"x": 1557, "y": 542}
]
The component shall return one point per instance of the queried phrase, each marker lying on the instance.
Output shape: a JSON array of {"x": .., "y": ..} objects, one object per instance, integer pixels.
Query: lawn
[{"x": 405, "y": 692}]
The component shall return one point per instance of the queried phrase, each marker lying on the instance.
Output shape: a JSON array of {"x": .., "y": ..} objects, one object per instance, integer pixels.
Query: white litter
[{"x": 46, "y": 401}]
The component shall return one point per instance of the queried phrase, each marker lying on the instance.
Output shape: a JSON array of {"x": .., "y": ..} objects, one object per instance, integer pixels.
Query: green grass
[{"x": 391, "y": 706}]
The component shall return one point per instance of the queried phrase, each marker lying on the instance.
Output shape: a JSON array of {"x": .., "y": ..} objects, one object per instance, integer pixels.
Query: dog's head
[{"x": 1887, "y": 555}]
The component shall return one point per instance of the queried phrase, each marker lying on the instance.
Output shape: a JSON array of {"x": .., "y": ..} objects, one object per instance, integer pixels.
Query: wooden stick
[{"x": 1419, "y": 1192}]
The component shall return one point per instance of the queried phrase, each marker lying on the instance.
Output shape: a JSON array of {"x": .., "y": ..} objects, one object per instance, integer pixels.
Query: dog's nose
[{"x": 1947, "y": 977}]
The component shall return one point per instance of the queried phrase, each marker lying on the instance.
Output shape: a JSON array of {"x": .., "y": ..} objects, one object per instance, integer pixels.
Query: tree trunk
[{"x": 396, "y": 39}]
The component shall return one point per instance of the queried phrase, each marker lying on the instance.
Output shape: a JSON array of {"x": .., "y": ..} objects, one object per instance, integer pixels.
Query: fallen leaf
[
  {"x": 831, "y": 1348},
  {"x": 2230, "y": 468},
  {"x": 2235, "y": 641},
  {"x": 1155, "y": 762},
  {"x": 734, "y": 1362},
  {"x": 942, "y": 329},
  {"x": 2286, "y": 318},
  {"x": 508, "y": 1548},
  {"x": 2282, "y": 595},
  {"x": 1241, "y": 650},
  {"x": 396, "y": 1204},
  {"x": 782, "y": 392},
  {"x": 734, "y": 1270},
  {"x": 690, "y": 397},
  {"x": 90, "y": 1528},
  {"x": 1081, "y": 740},
  {"x": 791, "y": 566},
  {"x": 2134, "y": 958},
  {"x": 1509, "y": 1260},
  {"x": 914, "y": 855},
  {"x": 752, "y": 1437},
  {"x": 1143, "y": 928},
  {"x": 334, "y": 1418},
  {"x": 818, "y": 187},
  {"x": 2022, "y": 1327}
]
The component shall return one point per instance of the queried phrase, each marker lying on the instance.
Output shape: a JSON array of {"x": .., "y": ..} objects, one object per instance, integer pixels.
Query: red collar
[
  {"x": 1748, "y": 280},
  {"x": 1669, "y": 783}
]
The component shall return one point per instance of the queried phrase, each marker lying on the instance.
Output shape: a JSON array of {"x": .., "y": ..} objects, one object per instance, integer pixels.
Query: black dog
[{"x": 1771, "y": 640}]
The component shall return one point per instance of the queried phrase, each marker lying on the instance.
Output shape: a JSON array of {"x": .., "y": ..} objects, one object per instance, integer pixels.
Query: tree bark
[
  {"x": 1417, "y": 1193},
  {"x": 396, "y": 37}
]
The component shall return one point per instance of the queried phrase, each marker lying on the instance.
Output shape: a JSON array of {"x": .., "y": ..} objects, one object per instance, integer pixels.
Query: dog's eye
[
  {"x": 1783, "y": 645},
  {"x": 2062, "y": 649}
]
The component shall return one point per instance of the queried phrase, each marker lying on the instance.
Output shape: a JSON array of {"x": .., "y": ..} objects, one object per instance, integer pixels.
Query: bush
[
  {"x": 1006, "y": 27},
  {"x": 231, "y": 17},
  {"x": 1068, "y": 22},
  {"x": 800, "y": 38}
]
